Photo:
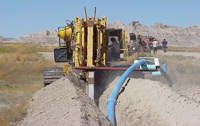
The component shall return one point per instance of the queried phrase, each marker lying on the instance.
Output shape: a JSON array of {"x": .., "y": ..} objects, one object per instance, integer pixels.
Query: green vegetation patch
[
  {"x": 4, "y": 84},
  {"x": 35, "y": 49},
  {"x": 7, "y": 49}
]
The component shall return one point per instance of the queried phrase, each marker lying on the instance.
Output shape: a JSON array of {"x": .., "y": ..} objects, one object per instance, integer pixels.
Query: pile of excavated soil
[
  {"x": 147, "y": 102},
  {"x": 63, "y": 104}
]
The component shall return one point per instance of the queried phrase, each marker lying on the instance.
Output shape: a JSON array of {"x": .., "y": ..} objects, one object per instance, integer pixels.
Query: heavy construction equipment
[
  {"x": 141, "y": 43},
  {"x": 88, "y": 46}
]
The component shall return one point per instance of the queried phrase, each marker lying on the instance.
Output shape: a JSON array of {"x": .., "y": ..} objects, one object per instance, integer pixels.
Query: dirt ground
[
  {"x": 63, "y": 104},
  {"x": 143, "y": 102},
  {"x": 47, "y": 55},
  {"x": 151, "y": 103},
  {"x": 188, "y": 54}
]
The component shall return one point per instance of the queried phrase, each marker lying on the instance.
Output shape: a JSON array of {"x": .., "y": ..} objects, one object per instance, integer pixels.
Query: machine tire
[{"x": 52, "y": 74}]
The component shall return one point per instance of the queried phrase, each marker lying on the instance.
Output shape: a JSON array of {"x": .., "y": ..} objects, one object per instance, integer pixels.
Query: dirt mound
[
  {"x": 63, "y": 104},
  {"x": 146, "y": 102}
]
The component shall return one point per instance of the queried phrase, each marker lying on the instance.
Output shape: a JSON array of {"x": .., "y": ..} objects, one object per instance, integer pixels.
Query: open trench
[
  {"x": 147, "y": 102},
  {"x": 140, "y": 102}
]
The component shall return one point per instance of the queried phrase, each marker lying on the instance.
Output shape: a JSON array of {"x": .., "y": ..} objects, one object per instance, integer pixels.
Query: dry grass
[
  {"x": 16, "y": 98},
  {"x": 182, "y": 69},
  {"x": 20, "y": 63},
  {"x": 183, "y": 49},
  {"x": 21, "y": 70}
]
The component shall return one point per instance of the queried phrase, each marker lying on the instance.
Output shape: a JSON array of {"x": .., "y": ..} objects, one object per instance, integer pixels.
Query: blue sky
[{"x": 21, "y": 17}]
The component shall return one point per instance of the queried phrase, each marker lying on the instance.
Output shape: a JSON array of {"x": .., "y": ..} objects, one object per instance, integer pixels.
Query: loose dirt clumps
[
  {"x": 147, "y": 103},
  {"x": 140, "y": 102},
  {"x": 63, "y": 104}
]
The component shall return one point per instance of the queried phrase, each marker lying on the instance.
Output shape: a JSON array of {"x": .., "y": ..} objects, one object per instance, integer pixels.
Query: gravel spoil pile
[
  {"x": 63, "y": 104},
  {"x": 150, "y": 103}
]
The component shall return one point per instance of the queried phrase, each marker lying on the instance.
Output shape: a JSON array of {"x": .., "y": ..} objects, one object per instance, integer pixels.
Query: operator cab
[{"x": 117, "y": 48}]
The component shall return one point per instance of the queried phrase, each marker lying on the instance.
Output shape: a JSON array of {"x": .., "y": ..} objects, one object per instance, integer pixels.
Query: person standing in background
[
  {"x": 164, "y": 45},
  {"x": 155, "y": 46}
]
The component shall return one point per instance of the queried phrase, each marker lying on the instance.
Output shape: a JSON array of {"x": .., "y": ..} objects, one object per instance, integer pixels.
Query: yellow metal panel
[
  {"x": 124, "y": 46},
  {"x": 77, "y": 32},
  {"x": 103, "y": 40},
  {"x": 103, "y": 22},
  {"x": 90, "y": 43},
  {"x": 85, "y": 31},
  {"x": 83, "y": 40}
]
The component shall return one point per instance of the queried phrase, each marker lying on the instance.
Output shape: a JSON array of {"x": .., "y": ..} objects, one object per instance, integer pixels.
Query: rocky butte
[
  {"x": 176, "y": 36},
  {"x": 43, "y": 38}
]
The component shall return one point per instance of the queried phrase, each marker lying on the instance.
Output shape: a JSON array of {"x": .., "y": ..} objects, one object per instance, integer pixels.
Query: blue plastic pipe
[
  {"x": 164, "y": 67},
  {"x": 112, "y": 100}
]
